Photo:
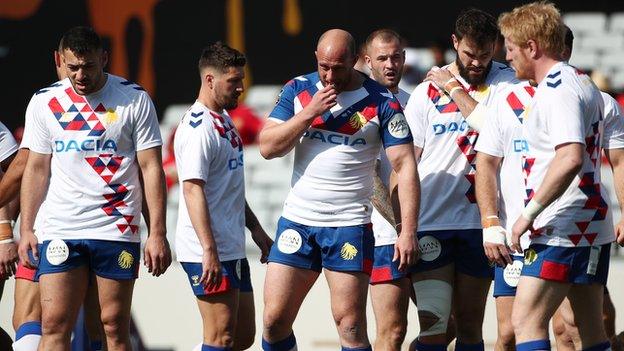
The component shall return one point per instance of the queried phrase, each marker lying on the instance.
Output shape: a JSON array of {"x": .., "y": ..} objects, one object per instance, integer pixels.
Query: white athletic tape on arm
[
  {"x": 434, "y": 296},
  {"x": 532, "y": 210},
  {"x": 494, "y": 235},
  {"x": 477, "y": 117}
]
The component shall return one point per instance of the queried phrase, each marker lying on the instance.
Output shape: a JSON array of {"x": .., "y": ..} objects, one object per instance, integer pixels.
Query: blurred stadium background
[{"x": 157, "y": 43}]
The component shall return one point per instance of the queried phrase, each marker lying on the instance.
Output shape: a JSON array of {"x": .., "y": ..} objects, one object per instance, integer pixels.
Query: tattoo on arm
[{"x": 381, "y": 196}]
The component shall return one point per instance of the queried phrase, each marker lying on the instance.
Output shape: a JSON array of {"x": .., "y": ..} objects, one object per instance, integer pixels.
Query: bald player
[{"x": 336, "y": 119}]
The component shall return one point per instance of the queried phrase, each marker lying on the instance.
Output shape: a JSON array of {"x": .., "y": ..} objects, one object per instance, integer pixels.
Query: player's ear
[
  {"x": 455, "y": 41},
  {"x": 57, "y": 59},
  {"x": 104, "y": 58},
  {"x": 368, "y": 61},
  {"x": 533, "y": 48}
]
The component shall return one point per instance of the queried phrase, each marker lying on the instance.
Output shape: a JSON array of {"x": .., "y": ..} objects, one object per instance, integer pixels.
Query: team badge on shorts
[
  {"x": 348, "y": 252},
  {"x": 57, "y": 252},
  {"x": 511, "y": 273},
  {"x": 289, "y": 241},
  {"x": 125, "y": 260},
  {"x": 430, "y": 248},
  {"x": 529, "y": 257},
  {"x": 195, "y": 280}
]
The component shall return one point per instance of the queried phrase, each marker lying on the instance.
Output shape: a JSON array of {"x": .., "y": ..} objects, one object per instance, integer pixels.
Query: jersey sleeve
[
  {"x": 613, "y": 124},
  {"x": 193, "y": 154},
  {"x": 394, "y": 128},
  {"x": 563, "y": 113},
  {"x": 490, "y": 139},
  {"x": 36, "y": 132},
  {"x": 285, "y": 106},
  {"x": 8, "y": 146},
  {"x": 146, "y": 132},
  {"x": 416, "y": 118}
]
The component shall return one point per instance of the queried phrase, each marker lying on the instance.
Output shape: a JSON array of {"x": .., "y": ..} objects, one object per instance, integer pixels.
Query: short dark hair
[
  {"x": 385, "y": 35},
  {"x": 569, "y": 38},
  {"x": 80, "y": 40},
  {"x": 479, "y": 26},
  {"x": 221, "y": 56}
]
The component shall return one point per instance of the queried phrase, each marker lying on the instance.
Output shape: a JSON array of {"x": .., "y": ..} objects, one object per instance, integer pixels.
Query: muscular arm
[
  {"x": 566, "y": 164},
  {"x": 150, "y": 164},
  {"x": 381, "y": 196},
  {"x": 486, "y": 184},
  {"x": 277, "y": 139},
  {"x": 12, "y": 179},
  {"x": 258, "y": 234},
  {"x": 616, "y": 160},
  {"x": 402, "y": 160},
  {"x": 199, "y": 213},
  {"x": 394, "y": 194},
  {"x": 34, "y": 184}
]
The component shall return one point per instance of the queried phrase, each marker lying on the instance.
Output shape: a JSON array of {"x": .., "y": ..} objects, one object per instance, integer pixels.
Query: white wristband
[
  {"x": 7, "y": 241},
  {"x": 451, "y": 81},
  {"x": 5, "y": 221},
  {"x": 495, "y": 235},
  {"x": 532, "y": 210}
]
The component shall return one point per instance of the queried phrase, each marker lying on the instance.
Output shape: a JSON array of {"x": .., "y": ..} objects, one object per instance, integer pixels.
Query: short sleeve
[
  {"x": 416, "y": 118},
  {"x": 36, "y": 133},
  {"x": 490, "y": 139},
  {"x": 613, "y": 124},
  {"x": 193, "y": 156},
  {"x": 394, "y": 128},
  {"x": 285, "y": 105},
  {"x": 8, "y": 146},
  {"x": 146, "y": 133},
  {"x": 563, "y": 112}
]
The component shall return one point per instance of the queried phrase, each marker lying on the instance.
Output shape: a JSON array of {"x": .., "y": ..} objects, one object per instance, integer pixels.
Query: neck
[
  {"x": 394, "y": 90},
  {"x": 542, "y": 66},
  {"x": 206, "y": 99},
  {"x": 356, "y": 81}
]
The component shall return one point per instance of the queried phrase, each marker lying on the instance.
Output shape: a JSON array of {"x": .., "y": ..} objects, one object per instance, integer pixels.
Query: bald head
[{"x": 336, "y": 42}]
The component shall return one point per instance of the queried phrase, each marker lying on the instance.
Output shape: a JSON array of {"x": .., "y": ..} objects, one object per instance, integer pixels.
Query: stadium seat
[
  {"x": 601, "y": 41},
  {"x": 585, "y": 60},
  {"x": 262, "y": 98},
  {"x": 616, "y": 23},
  {"x": 612, "y": 61},
  {"x": 586, "y": 22}
]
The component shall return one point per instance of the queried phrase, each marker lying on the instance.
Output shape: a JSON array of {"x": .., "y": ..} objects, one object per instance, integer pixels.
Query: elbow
[{"x": 267, "y": 152}]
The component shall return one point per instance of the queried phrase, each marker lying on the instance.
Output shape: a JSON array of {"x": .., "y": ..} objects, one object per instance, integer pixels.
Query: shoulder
[
  {"x": 196, "y": 119},
  {"x": 302, "y": 82},
  {"x": 611, "y": 106},
  {"x": 501, "y": 74},
  {"x": 128, "y": 89},
  {"x": 45, "y": 94}
]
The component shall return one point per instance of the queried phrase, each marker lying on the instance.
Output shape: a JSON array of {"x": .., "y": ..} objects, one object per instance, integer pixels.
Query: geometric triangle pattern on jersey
[
  {"x": 516, "y": 105},
  {"x": 106, "y": 165},
  {"x": 527, "y": 165},
  {"x": 227, "y": 131},
  {"x": 79, "y": 116},
  {"x": 466, "y": 145},
  {"x": 442, "y": 104},
  {"x": 349, "y": 121}
]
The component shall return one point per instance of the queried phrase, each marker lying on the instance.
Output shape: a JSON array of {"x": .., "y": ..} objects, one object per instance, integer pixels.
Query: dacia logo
[
  {"x": 125, "y": 260},
  {"x": 529, "y": 257},
  {"x": 451, "y": 127},
  {"x": 520, "y": 145},
  {"x": 336, "y": 139},
  {"x": 234, "y": 163},
  {"x": 85, "y": 145},
  {"x": 348, "y": 252}
]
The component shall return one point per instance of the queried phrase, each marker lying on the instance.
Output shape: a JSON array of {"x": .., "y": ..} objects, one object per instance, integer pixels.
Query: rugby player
[
  {"x": 8, "y": 250},
  {"x": 390, "y": 287},
  {"x": 445, "y": 113},
  {"x": 565, "y": 331},
  {"x": 565, "y": 208},
  {"x": 336, "y": 119},
  {"x": 92, "y": 134},
  {"x": 210, "y": 235}
]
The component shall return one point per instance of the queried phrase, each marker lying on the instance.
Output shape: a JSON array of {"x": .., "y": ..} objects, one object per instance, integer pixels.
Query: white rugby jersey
[
  {"x": 568, "y": 108},
  {"x": 446, "y": 166},
  {"x": 385, "y": 233},
  {"x": 334, "y": 160},
  {"x": 208, "y": 147},
  {"x": 94, "y": 190},
  {"x": 501, "y": 136},
  {"x": 8, "y": 146}
]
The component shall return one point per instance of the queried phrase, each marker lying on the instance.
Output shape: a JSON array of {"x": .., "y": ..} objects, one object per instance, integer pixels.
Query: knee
[
  {"x": 55, "y": 323},
  {"x": 350, "y": 326},
  {"x": 115, "y": 325},
  {"x": 559, "y": 327},
  {"x": 506, "y": 338},
  {"x": 434, "y": 306},
  {"x": 274, "y": 325},
  {"x": 394, "y": 334}
]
